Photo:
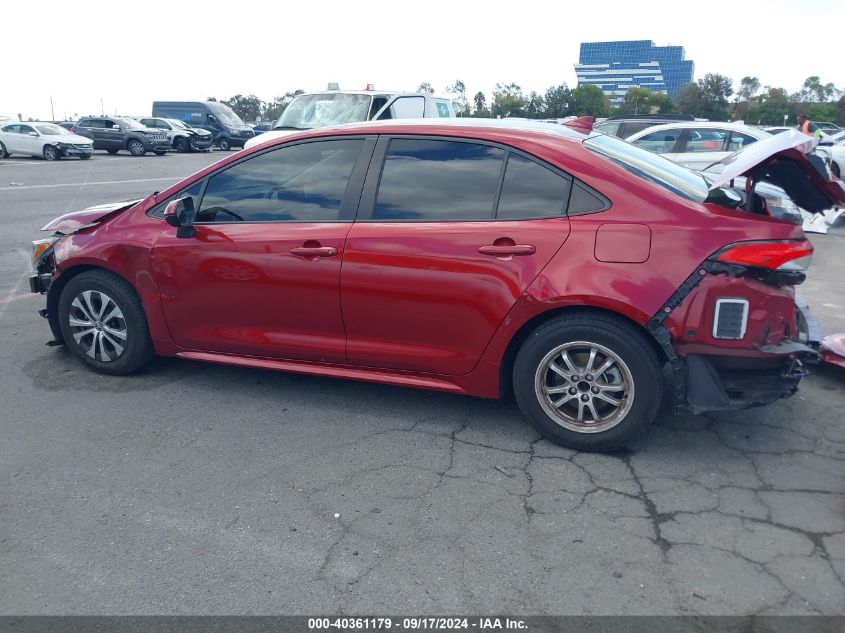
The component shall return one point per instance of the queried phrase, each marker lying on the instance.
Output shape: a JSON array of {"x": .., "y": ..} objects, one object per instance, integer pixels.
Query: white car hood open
[{"x": 784, "y": 160}]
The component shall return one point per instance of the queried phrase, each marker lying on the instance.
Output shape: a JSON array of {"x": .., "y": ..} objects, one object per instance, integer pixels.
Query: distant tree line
[{"x": 712, "y": 97}]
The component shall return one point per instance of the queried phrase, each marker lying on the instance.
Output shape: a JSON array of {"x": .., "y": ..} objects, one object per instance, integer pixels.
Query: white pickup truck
[{"x": 334, "y": 107}]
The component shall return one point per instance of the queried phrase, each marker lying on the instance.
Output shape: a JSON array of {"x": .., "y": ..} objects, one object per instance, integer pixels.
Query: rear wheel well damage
[
  {"x": 55, "y": 292},
  {"x": 509, "y": 357}
]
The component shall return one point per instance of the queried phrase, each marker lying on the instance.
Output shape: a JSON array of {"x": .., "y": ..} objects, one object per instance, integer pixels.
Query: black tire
[
  {"x": 159, "y": 152},
  {"x": 639, "y": 369},
  {"x": 138, "y": 349},
  {"x": 84, "y": 156},
  {"x": 135, "y": 147},
  {"x": 834, "y": 167},
  {"x": 51, "y": 153},
  {"x": 225, "y": 144},
  {"x": 3, "y": 152},
  {"x": 112, "y": 151},
  {"x": 181, "y": 144}
]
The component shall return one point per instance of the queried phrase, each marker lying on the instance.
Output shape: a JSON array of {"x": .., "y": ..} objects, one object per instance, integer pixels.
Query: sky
[{"x": 127, "y": 54}]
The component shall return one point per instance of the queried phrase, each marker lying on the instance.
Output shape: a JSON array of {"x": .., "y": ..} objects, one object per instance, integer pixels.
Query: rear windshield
[{"x": 643, "y": 164}]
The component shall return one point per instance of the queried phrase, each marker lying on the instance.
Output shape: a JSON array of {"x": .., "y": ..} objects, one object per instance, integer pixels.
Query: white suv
[{"x": 335, "y": 107}]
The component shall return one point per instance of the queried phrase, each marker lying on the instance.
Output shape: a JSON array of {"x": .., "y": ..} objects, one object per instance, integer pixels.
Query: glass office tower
[{"x": 616, "y": 66}]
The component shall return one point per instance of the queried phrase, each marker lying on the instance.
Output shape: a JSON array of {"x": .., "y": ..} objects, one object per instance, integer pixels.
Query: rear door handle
[
  {"x": 312, "y": 252},
  {"x": 508, "y": 250}
]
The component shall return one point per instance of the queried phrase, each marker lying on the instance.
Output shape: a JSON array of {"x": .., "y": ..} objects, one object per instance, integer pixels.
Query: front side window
[
  {"x": 298, "y": 183},
  {"x": 530, "y": 190},
  {"x": 434, "y": 180},
  {"x": 26, "y": 129},
  {"x": 707, "y": 140},
  {"x": 739, "y": 140},
  {"x": 662, "y": 142}
]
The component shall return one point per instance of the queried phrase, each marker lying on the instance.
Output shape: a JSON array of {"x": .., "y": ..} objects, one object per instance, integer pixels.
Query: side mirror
[
  {"x": 33, "y": 133},
  {"x": 180, "y": 213}
]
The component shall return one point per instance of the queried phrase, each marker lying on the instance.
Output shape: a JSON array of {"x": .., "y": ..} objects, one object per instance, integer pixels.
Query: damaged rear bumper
[{"x": 723, "y": 383}]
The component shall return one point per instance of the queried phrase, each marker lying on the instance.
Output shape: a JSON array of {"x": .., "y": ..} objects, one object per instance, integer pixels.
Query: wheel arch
[{"x": 519, "y": 337}]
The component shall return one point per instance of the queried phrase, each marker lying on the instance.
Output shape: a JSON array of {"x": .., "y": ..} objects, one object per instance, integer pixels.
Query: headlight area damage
[
  {"x": 711, "y": 322},
  {"x": 44, "y": 265}
]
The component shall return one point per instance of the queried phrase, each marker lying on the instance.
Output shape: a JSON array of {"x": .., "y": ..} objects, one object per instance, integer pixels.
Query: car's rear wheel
[
  {"x": 159, "y": 152},
  {"x": 112, "y": 151},
  {"x": 3, "y": 152},
  {"x": 181, "y": 144},
  {"x": 84, "y": 156},
  {"x": 51, "y": 153},
  {"x": 225, "y": 145},
  {"x": 103, "y": 323},
  {"x": 588, "y": 382},
  {"x": 136, "y": 148}
]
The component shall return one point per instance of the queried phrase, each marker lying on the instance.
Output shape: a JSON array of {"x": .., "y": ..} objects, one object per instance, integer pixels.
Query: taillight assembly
[{"x": 792, "y": 255}]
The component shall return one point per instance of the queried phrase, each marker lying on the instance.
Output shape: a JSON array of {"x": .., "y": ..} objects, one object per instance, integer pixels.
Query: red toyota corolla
[{"x": 581, "y": 273}]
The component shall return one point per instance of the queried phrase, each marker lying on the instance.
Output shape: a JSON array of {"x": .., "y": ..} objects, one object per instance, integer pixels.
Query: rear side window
[
  {"x": 532, "y": 191},
  {"x": 297, "y": 183},
  {"x": 739, "y": 140},
  {"x": 706, "y": 140},
  {"x": 438, "y": 180}
]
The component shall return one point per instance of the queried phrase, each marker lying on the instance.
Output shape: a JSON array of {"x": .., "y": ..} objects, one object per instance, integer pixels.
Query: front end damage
[{"x": 736, "y": 337}]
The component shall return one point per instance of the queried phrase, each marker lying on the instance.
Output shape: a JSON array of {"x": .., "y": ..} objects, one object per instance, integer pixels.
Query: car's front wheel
[
  {"x": 136, "y": 148},
  {"x": 3, "y": 152},
  {"x": 181, "y": 144},
  {"x": 103, "y": 323},
  {"x": 51, "y": 153},
  {"x": 588, "y": 382},
  {"x": 225, "y": 144}
]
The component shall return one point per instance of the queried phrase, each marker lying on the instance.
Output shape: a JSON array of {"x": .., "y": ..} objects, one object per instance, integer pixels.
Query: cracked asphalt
[{"x": 195, "y": 488}]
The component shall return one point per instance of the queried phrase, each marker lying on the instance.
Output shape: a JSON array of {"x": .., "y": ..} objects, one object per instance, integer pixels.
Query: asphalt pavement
[{"x": 194, "y": 488}]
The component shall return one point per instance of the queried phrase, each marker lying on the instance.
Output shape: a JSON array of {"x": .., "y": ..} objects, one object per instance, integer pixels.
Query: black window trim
[
  {"x": 377, "y": 162},
  {"x": 349, "y": 202}
]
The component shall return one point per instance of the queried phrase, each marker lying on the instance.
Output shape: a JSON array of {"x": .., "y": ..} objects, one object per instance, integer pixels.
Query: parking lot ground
[{"x": 194, "y": 488}]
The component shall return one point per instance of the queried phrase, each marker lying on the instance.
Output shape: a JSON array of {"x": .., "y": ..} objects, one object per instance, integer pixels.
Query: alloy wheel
[
  {"x": 98, "y": 325},
  {"x": 584, "y": 387}
]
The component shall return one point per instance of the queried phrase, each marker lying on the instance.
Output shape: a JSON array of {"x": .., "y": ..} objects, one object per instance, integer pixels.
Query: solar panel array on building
[{"x": 616, "y": 66}]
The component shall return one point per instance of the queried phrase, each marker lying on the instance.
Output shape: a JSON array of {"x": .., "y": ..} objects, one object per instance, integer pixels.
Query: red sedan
[{"x": 580, "y": 273}]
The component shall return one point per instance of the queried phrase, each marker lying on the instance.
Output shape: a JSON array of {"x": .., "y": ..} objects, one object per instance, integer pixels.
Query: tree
[
  {"x": 211, "y": 99},
  {"x": 748, "y": 87},
  {"x": 589, "y": 100},
  {"x": 508, "y": 101},
  {"x": 708, "y": 98},
  {"x": 645, "y": 101},
  {"x": 535, "y": 107},
  {"x": 480, "y": 102},
  {"x": 769, "y": 108},
  {"x": 557, "y": 101},
  {"x": 460, "y": 101},
  {"x": 425, "y": 87},
  {"x": 247, "y": 107},
  {"x": 813, "y": 91}
]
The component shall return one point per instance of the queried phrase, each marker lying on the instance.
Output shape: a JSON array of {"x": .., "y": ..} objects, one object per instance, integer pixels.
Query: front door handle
[
  {"x": 508, "y": 250},
  {"x": 313, "y": 252}
]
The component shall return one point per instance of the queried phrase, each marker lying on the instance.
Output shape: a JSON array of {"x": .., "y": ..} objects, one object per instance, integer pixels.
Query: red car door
[
  {"x": 450, "y": 233},
  {"x": 261, "y": 274}
]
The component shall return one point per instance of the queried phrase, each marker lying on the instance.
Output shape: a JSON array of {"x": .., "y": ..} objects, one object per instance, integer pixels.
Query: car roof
[
  {"x": 374, "y": 93},
  {"x": 433, "y": 125},
  {"x": 736, "y": 127}
]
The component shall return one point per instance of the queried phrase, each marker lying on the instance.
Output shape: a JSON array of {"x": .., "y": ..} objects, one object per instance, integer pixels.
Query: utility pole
[
  {"x": 102, "y": 109},
  {"x": 52, "y": 112}
]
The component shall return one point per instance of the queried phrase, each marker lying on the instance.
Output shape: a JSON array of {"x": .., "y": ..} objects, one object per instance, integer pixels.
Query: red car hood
[
  {"x": 72, "y": 222},
  {"x": 785, "y": 160}
]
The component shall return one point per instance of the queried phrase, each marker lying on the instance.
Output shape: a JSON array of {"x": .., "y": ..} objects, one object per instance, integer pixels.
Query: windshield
[
  {"x": 178, "y": 123},
  {"x": 225, "y": 114},
  {"x": 320, "y": 110},
  {"x": 48, "y": 129},
  {"x": 679, "y": 180}
]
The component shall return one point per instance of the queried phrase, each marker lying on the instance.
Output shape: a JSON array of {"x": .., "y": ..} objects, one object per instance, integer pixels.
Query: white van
[{"x": 334, "y": 107}]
